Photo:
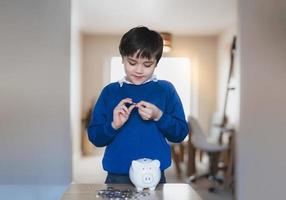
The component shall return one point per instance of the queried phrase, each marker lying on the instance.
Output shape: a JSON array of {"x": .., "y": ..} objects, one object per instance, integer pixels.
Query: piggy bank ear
[
  {"x": 156, "y": 163},
  {"x": 135, "y": 164}
]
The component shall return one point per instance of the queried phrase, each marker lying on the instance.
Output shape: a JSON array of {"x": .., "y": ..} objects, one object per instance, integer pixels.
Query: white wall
[
  {"x": 96, "y": 54},
  {"x": 75, "y": 81},
  {"x": 261, "y": 139},
  {"x": 35, "y": 140},
  {"x": 202, "y": 52}
]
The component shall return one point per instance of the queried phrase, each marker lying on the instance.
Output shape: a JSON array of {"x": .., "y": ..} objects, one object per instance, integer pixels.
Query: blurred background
[{"x": 55, "y": 57}]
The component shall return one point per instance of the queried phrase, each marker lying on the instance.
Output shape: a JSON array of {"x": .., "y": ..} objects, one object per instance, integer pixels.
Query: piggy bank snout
[{"x": 147, "y": 178}]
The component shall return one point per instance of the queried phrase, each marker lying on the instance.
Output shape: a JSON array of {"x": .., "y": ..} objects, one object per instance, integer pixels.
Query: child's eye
[
  {"x": 131, "y": 63},
  {"x": 148, "y": 65}
]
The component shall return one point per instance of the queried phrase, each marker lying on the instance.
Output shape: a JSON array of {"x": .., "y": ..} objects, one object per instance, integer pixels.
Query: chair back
[
  {"x": 198, "y": 138},
  {"x": 215, "y": 130}
]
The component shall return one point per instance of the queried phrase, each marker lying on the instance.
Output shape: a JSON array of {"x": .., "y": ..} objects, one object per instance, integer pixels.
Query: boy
[{"x": 134, "y": 117}]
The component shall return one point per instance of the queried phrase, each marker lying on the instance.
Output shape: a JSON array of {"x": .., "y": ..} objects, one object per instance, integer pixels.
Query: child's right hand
[{"x": 121, "y": 113}]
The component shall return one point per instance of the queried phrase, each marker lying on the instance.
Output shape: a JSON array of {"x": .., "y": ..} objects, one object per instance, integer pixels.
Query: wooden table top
[{"x": 168, "y": 191}]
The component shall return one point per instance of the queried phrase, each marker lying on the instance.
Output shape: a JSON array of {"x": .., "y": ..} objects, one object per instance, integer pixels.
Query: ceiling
[{"x": 179, "y": 17}]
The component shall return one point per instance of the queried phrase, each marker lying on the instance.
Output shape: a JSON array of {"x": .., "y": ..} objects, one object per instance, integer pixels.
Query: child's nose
[{"x": 139, "y": 68}]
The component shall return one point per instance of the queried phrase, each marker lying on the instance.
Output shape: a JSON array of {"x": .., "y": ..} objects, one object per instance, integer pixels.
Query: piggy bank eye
[
  {"x": 143, "y": 168},
  {"x": 149, "y": 168}
]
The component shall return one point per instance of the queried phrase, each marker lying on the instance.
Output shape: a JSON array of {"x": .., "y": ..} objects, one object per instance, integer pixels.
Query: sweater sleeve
[
  {"x": 173, "y": 123},
  {"x": 100, "y": 131}
]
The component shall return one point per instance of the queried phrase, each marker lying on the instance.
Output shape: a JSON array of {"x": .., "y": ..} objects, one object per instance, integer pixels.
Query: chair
[{"x": 200, "y": 141}]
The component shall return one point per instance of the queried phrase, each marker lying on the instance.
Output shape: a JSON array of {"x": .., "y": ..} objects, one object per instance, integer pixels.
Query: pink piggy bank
[{"x": 145, "y": 173}]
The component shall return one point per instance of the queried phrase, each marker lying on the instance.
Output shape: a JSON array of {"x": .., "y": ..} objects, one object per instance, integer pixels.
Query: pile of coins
[{"x": 116, "y": 194}]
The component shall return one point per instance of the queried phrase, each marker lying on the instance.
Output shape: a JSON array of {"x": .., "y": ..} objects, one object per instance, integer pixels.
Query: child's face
[{"x": 138, "y": 70}]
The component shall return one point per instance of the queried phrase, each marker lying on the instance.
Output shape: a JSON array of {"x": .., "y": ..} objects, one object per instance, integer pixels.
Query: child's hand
[
  {"x": 121, "y": 113},
  {"x": 149, "y": 111}
]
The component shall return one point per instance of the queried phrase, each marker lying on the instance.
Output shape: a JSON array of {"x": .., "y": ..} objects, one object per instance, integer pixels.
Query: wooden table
[{"x": 168, "y": 191}]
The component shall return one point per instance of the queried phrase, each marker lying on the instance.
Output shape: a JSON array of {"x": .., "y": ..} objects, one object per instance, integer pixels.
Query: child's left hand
[{"x": 149, "y": 111}]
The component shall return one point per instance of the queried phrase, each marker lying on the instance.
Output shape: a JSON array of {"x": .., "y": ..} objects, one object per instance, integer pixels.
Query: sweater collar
[{"x": 124, "y": 80}]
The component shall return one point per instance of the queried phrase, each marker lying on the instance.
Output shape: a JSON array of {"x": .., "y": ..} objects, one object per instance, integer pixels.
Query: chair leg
[
  {"x": 211, "y": 175},
  {"x": 191, "y": 166},
  {"x": 197, "y": 177},
  {"x": 176, "y": 159},
  {"x": 214, "y": 158}
]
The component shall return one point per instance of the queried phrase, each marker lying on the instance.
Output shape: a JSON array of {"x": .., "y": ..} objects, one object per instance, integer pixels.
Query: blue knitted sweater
[{"x": 137, "y": 138}]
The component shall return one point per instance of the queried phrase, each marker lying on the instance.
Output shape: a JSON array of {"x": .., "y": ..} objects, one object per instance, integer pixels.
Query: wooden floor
[{"x": 89, "y": 170}]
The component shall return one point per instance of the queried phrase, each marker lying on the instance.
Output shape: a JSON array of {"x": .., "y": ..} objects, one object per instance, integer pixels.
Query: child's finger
[
  {"x": 131, "y": 108},
  {"x": 124, "y": 101},
  {"x": 123, "y": 107},
  {"x": 144, "y": 104},
  {"x": 122, "y": 112},
  {"x": 144, "y": 115},
  {"x": 145, "y": 110},
  {"x": 147, "y": 107}
]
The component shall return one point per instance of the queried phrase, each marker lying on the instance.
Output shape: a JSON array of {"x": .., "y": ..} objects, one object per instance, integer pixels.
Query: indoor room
[
  {"x": 197, "y": 62},
  {"x": 225, "y": 60}
]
